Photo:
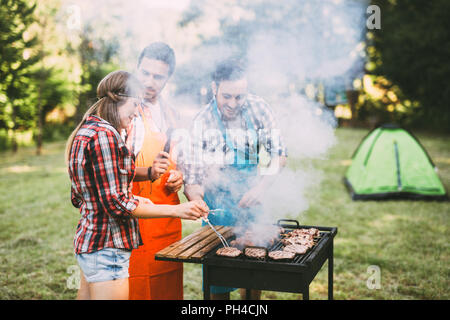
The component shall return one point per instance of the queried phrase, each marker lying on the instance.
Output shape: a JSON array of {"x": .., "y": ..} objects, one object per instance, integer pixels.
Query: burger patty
[
  {"x": 296, "y": 248},
  {"x": 229, "y": 252},
  {"x": 255, "y": 253},
  {"x": 281, "y": 255}
]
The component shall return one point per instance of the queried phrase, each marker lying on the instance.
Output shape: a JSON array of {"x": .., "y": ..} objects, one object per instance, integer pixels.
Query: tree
[
  {"x": 16, "y": 59},
  {"x": 96, "y": 59},
  {"x": 49, "y": 90},
  {"x": 287, "y": 43},
  {"x": 411, "y": 50},
  {"x": 50, "y": 86}
]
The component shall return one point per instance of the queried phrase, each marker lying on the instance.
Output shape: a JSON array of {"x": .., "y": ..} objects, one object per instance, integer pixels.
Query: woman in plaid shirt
[{"x": 101, "y": 170}]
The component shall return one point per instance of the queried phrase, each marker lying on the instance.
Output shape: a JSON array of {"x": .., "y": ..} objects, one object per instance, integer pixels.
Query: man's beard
[{"x": 231, "y": 113}]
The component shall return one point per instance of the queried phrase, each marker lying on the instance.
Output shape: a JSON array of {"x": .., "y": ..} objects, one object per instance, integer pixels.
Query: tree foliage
[
  {"x": 16, "y": 60},
  {"x": 412, "y": 51},
  {"x": 284, "y": 42},
  {"x": 45, "y": 65},
  {"x": 96, "y": 58}
]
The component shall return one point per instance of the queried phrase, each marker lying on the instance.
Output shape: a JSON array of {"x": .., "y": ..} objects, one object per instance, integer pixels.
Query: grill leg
[
  {"x": 306, "y": 293},
  {"x": 330, "y": 272},
  {"x": 206, "y": 287},
  {"x": 248, "y": 294}
]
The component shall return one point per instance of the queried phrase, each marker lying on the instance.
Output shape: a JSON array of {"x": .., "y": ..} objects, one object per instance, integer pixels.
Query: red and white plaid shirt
[{"x": 101, "y": 170}]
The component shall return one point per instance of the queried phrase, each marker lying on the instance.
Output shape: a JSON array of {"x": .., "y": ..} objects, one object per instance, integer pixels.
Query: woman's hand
[
  {"x": 143, "y": 200},
  {"x": 192, "y": 210}
]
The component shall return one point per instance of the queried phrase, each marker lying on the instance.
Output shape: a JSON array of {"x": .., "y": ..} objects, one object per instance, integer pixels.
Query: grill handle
[
  {"x": 256, "y": 247},
  {"x": 288, "y": 220}
]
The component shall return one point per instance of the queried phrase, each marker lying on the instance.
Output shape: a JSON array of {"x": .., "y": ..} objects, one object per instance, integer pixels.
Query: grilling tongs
[{"x": 221, "y": 237}]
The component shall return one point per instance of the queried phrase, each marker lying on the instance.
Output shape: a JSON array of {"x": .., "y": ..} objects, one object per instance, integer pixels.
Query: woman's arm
[
  {"x": 191, "y": 210},
  {"x": 119, "y": 202}
]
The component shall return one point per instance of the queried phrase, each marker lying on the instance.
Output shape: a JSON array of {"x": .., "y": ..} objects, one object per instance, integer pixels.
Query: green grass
[{"x": 408, "y": 241}]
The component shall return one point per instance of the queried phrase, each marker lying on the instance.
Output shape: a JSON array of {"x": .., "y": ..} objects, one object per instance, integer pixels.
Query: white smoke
[{"x": 282, "y": 58}]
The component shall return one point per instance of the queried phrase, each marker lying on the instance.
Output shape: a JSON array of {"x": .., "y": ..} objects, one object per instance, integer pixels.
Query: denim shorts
[{"x": 105, "y": 265}]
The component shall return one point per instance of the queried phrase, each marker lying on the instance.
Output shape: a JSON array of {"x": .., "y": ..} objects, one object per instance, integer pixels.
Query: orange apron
[{"x": 150, "y": 279}]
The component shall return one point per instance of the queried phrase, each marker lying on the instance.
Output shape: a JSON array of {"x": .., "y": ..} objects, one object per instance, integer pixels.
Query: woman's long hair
[{"x": 112, "y": 91}]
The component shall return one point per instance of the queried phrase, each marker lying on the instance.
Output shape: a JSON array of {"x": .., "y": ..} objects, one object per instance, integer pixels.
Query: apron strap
[
  {"x": 229, "y": 143},
  {"x": 147, "y": 126},
  {"x": 168, "y": 115},
  {"x": 143, "y": 117}
]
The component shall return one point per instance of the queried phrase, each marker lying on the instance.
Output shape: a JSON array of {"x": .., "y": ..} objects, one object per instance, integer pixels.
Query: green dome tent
[{"x": 391, "y": 163}]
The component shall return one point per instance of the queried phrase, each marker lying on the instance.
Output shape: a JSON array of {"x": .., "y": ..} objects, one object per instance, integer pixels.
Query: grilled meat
[
  {"x": 229, "y": 252},
  {"x": 281, "y": 255},
  {"x": 299, "y": 240},
  {"x": 314, "y": 232},
  {"x": 299, "y": 233},
  {"x": 303, "y": 233},
  {"x": 241, "y": 242},
  {"x": 296, "y": 248},
  {"x": 261, "y": 236},
  {"x": 294, "y": 240},
  {"x": 255, "y": 253}
]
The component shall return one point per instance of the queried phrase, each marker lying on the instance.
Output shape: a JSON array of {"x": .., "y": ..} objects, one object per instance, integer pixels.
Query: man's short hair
[
  {"x": 230, "y": 69},
  {"x": 159, "y": 51}
]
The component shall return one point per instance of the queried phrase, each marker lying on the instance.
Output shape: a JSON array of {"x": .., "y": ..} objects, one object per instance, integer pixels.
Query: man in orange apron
[{"x": 156, "y": 179}]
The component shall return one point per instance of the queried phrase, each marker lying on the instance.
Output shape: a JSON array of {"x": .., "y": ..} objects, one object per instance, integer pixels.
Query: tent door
[{"x": 397, "y": 163}]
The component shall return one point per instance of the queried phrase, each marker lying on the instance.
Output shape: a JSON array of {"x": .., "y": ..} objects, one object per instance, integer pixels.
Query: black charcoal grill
[
  {"x": 243, "y": 272},
  {"x": 286, "y": 276}
]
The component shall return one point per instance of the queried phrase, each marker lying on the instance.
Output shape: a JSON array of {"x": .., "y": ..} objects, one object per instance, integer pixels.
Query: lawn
[{"x": 407, "y": 241}]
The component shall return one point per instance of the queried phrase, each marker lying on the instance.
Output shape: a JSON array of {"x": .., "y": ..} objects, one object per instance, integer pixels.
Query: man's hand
[
  {"x": 251, "y": 197},
  {"x": 175, "y": 181},
  {"x": 160, "y": 165}
]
